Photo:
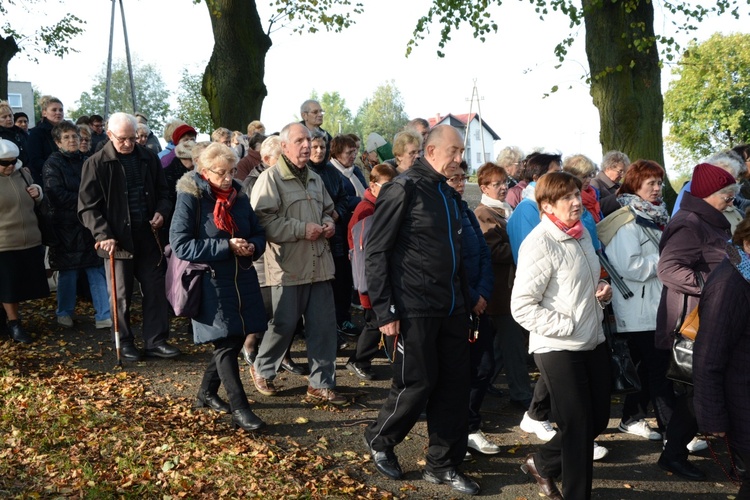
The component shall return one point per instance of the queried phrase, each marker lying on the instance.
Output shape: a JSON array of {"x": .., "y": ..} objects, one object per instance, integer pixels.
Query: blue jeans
[{"x": 66, "y": 292}]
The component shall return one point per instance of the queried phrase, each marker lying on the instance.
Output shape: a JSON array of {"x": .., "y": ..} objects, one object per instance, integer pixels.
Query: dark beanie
[
  {"x": 707, "y": 179},
  {"x": 20, "y": 114}
]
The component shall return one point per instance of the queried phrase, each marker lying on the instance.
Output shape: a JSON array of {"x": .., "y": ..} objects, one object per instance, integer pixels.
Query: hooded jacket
[{"x": 231, "y": 303}]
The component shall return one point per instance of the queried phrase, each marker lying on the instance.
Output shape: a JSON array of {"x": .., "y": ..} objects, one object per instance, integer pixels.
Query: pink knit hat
[{"x": 708, "y": 179}]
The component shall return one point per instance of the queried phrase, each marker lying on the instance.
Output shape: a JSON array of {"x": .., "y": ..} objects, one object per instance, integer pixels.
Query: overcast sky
[{"x": 512, "y": 70}]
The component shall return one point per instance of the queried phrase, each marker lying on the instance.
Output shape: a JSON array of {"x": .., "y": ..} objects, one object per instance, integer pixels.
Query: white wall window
[
  {"x": 487, "y": 157},
  {"x": 15, "y": 100},
  {"x": 476, "y": 134},
  {"x": 479, "y": 157}
]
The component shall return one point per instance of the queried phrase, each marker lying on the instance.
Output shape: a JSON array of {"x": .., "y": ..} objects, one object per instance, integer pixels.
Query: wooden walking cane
[{"x": 114, "y": 306}]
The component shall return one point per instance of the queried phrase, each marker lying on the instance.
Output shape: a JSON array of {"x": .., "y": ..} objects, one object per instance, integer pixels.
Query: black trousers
[
  {"x": 540, "y": 406},
  {"x": 431, "y": 370},
  {"x": 148, "y": 267},
  {"x": 643, "y": 354},
  {"x": 224, "y": 369},
  {"x": 740, "y": 461},
  {"x": 342, "y": 289},
  {"x": 579, "y": 383},
  {"x": 367, "y": 343},
  {"x": 482, "y": 363}
]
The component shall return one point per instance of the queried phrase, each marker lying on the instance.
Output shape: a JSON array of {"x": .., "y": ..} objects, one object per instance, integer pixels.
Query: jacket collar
[
  {"x": 109, "y": 153},
  {"x": 424, "y": 169},
  {"x": 703, "y": 210}
]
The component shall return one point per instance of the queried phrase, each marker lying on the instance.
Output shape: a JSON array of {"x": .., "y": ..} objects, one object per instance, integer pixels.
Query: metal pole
[
  {"x": 109, "y": 62},
  {"x": 127, "y": 53}
]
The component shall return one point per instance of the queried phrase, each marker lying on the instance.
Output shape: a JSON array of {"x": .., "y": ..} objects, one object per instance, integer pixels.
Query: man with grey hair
[
  {"x": 607, "y": 181},
  {"x": 295, "y": 209},
  {"x": 420, "y": 125},
  {"x": 510, "y": 158},
  {"x": 124, "y": 201},
  {"x": 312, "y": 118}
]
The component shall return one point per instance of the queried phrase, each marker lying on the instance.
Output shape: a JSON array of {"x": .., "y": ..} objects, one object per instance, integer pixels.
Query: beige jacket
[
  {"x": 284, "y": 207},
  {"x": 19, "y": 228}
]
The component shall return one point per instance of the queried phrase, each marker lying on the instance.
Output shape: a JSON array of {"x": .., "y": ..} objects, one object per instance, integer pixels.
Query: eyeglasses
[
  {"x": 458, "y": 179},
  {"x": 495, "y": 185},
  {"x": 123, "y": 140},
  {"x": 316, "y": 112},
  {"x": 8, "y": 163},
  {"x": 728, "y": 199},
  {"x": 67, "y": 137},
  {"x": 227, "y": 173},
  {"x": 85, "y": 139}
]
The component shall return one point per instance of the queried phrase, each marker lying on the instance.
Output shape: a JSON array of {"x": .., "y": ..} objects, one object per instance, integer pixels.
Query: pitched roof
[{"x": 460, "y": 121}]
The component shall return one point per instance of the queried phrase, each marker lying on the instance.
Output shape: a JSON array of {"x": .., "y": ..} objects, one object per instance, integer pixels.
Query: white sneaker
[
  {"x": 103, "y": 323},
  {"x": 599, "y": 451},
  {"x": 543, "y": 430},
  {"x": 65, "y": 321},
  {"x": 640, "y": 428},
  {"x": 479, "y": 442},
  {"x": 468, "y": 457},
  {"x": 697, "y": 445}
]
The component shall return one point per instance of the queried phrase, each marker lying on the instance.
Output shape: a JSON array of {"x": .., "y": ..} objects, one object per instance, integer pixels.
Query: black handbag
[
  {"x": 625, "y": 378},
  {"x": 681, "y": 361},
  {"x": 43, "y": 214}
]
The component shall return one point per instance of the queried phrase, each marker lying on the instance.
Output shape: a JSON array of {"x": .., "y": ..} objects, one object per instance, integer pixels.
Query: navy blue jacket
[
  {"x": 335, "y": 187},
  {"x": 476, "y": 257},
  {"x": 231, "y": 303}
]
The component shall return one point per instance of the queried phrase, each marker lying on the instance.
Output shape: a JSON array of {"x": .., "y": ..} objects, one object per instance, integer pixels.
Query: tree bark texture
[
  {"x": 8, "y": 49},
  {"x": 625, "y": 81},
  {"x": 233, "y": 80}
]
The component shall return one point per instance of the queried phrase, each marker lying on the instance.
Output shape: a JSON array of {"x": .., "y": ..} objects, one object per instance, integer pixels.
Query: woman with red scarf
[
  {"x": 214, "y": 224},
  {"x": 558, "y": 297}
]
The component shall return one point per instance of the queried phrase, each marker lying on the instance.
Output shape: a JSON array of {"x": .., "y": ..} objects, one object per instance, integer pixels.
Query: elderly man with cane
[{"x": 123, "y": 201}]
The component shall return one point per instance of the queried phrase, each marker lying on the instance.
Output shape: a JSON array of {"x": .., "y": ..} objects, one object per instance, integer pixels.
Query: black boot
[
  {"x": 213, "y": 401},
  {"x": 17, "y": 333},
  {"x": 246, "y": 420}
]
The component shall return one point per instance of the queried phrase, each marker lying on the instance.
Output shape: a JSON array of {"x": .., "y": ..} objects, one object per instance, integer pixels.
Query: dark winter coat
[
  {"x": 103, "y": 199},
  {"x": 413, "y": 257},
  {"x": 722, "y": 355},
  {"x": 17, "y": 136},
  {"x": 74, "y": 248},
  {"x": 39, "y": 146},
  {"x": 231, "y": 303},
  {"x": 493, "y": 225},
  {"x": 476, "y": 257},
  {"x": 693, "y": 242},
  {"x": 332, "y": 180}
]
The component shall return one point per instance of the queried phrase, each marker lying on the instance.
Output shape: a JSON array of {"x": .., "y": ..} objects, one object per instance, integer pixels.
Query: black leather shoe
[
  {"x": 213, "y": 401},
  {"x": 249, "y": 357},
  {"x": 363, "y": 372},
  {"x": 17, "y": 333},
  {"x": 457, "y": 481},
  {"x": 128, "y": 352},
  {"x": 547, "y": 486},
  {"x": 293, "y": 368},
  {"x": 385, "y": 462},
  {"x": 682, "y": 468},
  {"x": 163, "y": 351},
  {"x": 246, "y": 420}
]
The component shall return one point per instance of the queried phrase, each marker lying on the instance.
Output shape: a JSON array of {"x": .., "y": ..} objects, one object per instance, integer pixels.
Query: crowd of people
[{"x": 452, "y": 296}]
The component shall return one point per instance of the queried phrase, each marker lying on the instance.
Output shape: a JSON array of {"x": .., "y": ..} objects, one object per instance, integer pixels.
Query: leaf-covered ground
[{"x": 70, "y": 432}]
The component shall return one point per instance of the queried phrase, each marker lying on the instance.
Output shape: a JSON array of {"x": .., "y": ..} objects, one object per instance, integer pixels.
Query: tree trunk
[
  {"x": 626, "y": 82},
  {"x": 8, "y": 49},
  {"x": 233, "y": 81}
]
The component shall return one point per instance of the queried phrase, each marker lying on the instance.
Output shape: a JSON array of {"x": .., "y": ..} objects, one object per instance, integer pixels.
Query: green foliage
[
  {"x": 192, "y": 107},
  {"x": 708, "y": 106},
  {"x": 150, "y": 92},
  {"x": 382, "y": 113},
  {"x": 50, "y": 38},
  {"x": 338, "y": 118},
  {"x": 308, "y": 16}
]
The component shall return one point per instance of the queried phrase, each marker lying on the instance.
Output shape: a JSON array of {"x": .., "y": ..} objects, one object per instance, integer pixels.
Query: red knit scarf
[
  {"x": 588, "y": 197},
  {"x": 576, "y": 230},
  {"x": 225, "y": 198}
]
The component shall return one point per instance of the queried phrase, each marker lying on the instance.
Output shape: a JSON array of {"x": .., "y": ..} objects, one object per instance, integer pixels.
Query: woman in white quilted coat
[{"x": 558, "y": 298}]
